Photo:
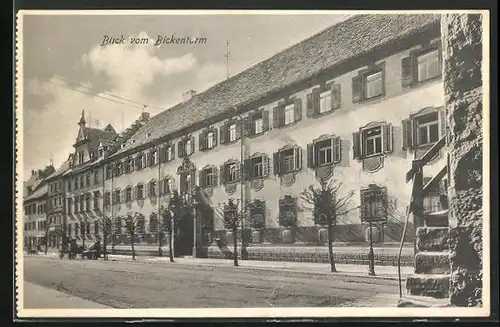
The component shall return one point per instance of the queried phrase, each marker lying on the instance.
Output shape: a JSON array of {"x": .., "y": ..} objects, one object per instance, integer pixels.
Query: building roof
[
  {"x": 43, "y": 190},
  {"x": 95, "y": 136},
  {"x": 60, "y": 171},
  {"x": 352, "y": 37}
]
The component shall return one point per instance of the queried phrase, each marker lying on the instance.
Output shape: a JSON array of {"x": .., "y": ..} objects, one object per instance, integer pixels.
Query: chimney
[
  {"x": 32, "y": 172},
  {"x": 145, "y": 116},
  {"x": 186, "y": 96}
]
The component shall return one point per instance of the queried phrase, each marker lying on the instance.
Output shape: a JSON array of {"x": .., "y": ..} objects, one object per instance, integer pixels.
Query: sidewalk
[
  {"x": 382, "y": 272},
  {"x": 40, "y": 297}
]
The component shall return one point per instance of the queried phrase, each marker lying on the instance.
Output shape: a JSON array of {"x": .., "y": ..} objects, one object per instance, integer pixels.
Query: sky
[{"x": 66, "y": 70}]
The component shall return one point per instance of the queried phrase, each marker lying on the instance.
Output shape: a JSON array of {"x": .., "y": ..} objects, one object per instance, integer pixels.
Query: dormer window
[
  {"x": 80, "y": 157},
  {"x": 101, "y": 153},
  {"x": 232, "y": 132}
]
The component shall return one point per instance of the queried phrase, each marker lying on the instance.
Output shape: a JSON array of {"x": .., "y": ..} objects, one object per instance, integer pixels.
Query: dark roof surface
[
  {"x": 354, "y": 36},
  {"x": 61, "y": 170},
  {"x": 43, "y": 190},
  {"x": 95, "y": 136}
]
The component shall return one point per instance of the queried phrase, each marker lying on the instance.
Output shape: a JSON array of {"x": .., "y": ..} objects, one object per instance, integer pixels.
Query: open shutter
[
  {"x": 442, "y": 122},
  {"x": 149, "y": 158},
  {"x": 298, "y": 158},
  {"x": 248, "y": 127},
  {"x": 181, "y": 149},
  {"x": 162, "y": 154},
  {"x": 239, "y": 128},
  {"x": 202, "y": 138},
  {"x": 316, "y": 94},
  {"x": 336, "y": 149},
  {"x": 276, "y": 117},
  {"x": 265, "y": 166},
  {"x": 310, "y": 105},
  {"x": 191, "y": 150},
  {"x": 297, "y": 108},
  {"x": 247, "y": 168},
  {"x": 387, "y": 138},
  {"x": 265, "y": 120},
  {"x": 356, "y": 145},
  {"x": 276, "y": 163},
  {"x": 407, "y": 71},
  {"x": 172, "y": 147},
  {"x": 223, "y": 133},
  {"x": 336, "y": 97},
  {"x": 215, "y": 136},
  {"x": 311, "y": 162},
  {"x": 357, "y": 88},
  {"x": 407, "y": 135},
  {"x": 201, "y": 179},
  {"x": 223, "y": 174}
]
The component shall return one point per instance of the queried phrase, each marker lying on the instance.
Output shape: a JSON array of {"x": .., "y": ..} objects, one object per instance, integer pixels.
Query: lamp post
[
  {"x": 158, "y": 200},
  {"x": 374, "y": 190},
  {"x": 371, "y": 255},
  {"x": 242, "y": 185}
]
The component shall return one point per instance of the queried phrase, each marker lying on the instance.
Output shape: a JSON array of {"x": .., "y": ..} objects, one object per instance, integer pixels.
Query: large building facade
[{"x": 356, "y": 102}]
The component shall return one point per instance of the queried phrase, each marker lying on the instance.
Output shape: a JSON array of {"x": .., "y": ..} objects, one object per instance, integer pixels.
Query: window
[
  {"x": 325, "y": 102},
  {"x": 374, "y": 204},
  {"x": 427, "y": 129},
  {"x": 75, "y": 181},
  {"x": 288, "y": 211},
  {"x": 167, "y": 185},
  {"x": 324, "y": 151},
  {"x": 87, "y": 202},
  {"x": 208, "y": 177},
  {"x": 82, "y": 183},
  {"x": 139, "y": 162},
  {"x": 230, "y": 172},
  {"x": 69, "y": 185},
  {"x": 96, "y": 227},
  {"x": 69, "y": 230},
  {"x": 289, "y": 114},
  {"x": 60, "y": 200},
  {"x": 153, "y": 223},
  {"x": 210, "y": 140},
  {"x": 187, "y": 146},
  {"x": 374, "y": 85},
  {"x": 76, "y": 204},
  {"x": 423, "y": 128},
  {"x": 421, "y": 65},
  {"x": 374, "y": 139},
  {"x": 128, "y": 194},
  {"x": 154, "y": 157},
  {"x": 82, "y": 203},
  {"x": 87, "y": 178},
  {"x": 428, "y": 65},
  {"x": 170, "y": 153},
  {"x": 88, "y": 227},
  {"x": 118, "y": 197},
  {"x": 152, "y": 189},
  {"x": 232, "y": 132},
  {"x": 118, "y": 168},
  {"x": 140, "y": 192},
  {"x": 80, "y": 157},
  {"x": 257, "y": 166},
  {"x": 96, "y": 200},
  {"x": 369, "y": 83},
  {"x": 258, "y": 124}
]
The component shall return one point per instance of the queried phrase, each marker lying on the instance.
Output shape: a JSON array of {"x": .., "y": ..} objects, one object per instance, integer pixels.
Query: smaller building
[{"x": 35, "y": 218}]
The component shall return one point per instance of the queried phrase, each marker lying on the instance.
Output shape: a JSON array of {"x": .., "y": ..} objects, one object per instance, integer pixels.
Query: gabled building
[{"x": 357, "y": 101}]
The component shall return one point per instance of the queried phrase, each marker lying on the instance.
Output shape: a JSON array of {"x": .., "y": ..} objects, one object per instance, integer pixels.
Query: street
[{"x": 173, "y": 285}]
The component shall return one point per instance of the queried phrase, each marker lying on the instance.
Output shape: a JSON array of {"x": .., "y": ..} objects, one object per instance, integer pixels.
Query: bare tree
[
  {"x": 327, "y": 204},
  {"x": 133, "y": 226},
  {"x": 232, "y": 217},
  {"x": 104, "y": 228}
]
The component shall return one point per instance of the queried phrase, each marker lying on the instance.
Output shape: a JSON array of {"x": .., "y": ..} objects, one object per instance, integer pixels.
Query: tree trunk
[
  {"x": 170, "y": 246},
  {"x": 330, "y": 249},
  {"x": 46, "y": 243},
  {"x": 104, "y": 245},
  {"x": 133, "y": 249},
  {"x": 235, "y": 247}
]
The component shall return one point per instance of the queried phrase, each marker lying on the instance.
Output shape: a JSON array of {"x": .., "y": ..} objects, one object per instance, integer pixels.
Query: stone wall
[{"x": 462, "y": 57}]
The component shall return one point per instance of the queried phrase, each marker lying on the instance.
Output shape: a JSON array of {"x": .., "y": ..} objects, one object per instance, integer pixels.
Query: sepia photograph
[{"x": 252, "y": 164}]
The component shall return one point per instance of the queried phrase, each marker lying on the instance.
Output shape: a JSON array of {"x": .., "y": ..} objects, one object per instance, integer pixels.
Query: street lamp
[
  {"x": 373, "y": 203},
  {"x": 242, "y": 184},
  {"x": 158, "y": 200}
]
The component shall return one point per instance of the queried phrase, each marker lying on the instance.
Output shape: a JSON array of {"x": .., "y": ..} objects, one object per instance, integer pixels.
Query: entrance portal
[{"x": 183, "y": 238}]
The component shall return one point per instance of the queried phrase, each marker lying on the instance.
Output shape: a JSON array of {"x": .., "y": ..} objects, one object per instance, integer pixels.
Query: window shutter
[
  {"x": 297, "y": 108},
  {"x": 407, "y": 136},
  {"x": 310, "y": 105},
  {"x": 265, "y": 166},
  {"x": 247, "y": 168},
  {"x": 387, "y": 138},
  {"x": 265, "y": 120},
  {"x": 406, "y": 71},
  {"x": 442, "y": 122},
  {"x": 223, "y": 174},
  {"x": 276, "y": 163},
  {"x": 238, "y": 171},
  {"x": 163, "y": 154},
  {"x": 173, "y": 151},
  {"x": 336, "y": 97},
  {"x": 311, "y": 162},
  {"x": 160, "y": 187},
  {"x": 215, "y": 136},
  {"x": 356, "y": 145},
  {"x": 180, "y": 149},
  {"x": 223, "y": 133},
  {"x": 316, "y": 92},
  {"x": 276, "y": 117},
  {"x": 201, "y": 179},
  {"x": 336, "y": 149},
  {"x": 298, "y": 158},
  {"x": 357, "y": 88},
  {"x": 248, "y": 128},
  {"x": 191, "y": 150},
  {"x": 202, "y": 141},
  {"x": 239, "y": 128},
  {"x": 149, "y": 159}
]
